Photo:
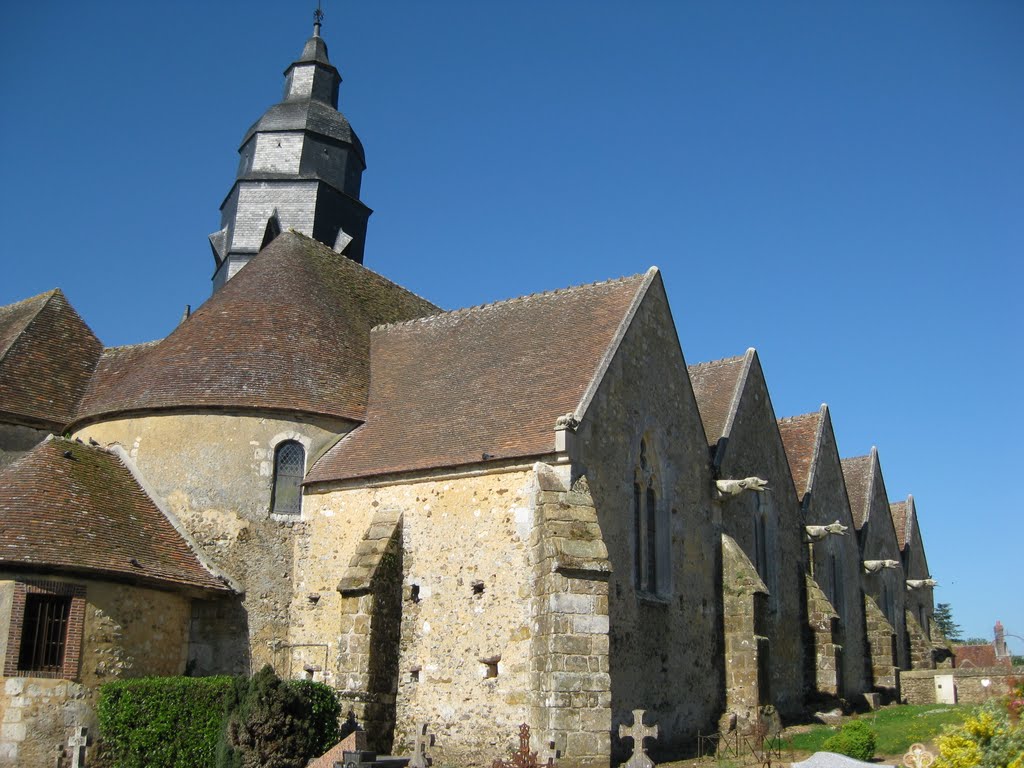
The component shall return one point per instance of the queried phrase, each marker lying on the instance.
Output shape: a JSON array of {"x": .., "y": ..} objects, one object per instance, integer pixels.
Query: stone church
[{"x": 528, "y": 511}]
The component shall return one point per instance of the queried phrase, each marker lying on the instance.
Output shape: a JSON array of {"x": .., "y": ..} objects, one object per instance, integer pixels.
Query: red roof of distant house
[{"x": 978, "y": 656}]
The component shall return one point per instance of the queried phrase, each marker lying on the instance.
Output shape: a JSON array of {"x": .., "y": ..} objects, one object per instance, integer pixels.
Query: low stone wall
[
  {"x": 38, "y": 716},
  {"x": 918, "y": 686}
]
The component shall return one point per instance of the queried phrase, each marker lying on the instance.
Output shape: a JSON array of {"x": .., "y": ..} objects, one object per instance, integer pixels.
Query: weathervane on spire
[{"x": 318, "y": 17}]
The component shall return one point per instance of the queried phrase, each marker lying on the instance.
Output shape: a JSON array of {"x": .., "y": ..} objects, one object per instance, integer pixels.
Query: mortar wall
[
  {"x": 666, "y": 651},
  {"x": 455, "y": 533},
  {"x": 755, "y": 448},
  {"x": 215, "y": 474}
]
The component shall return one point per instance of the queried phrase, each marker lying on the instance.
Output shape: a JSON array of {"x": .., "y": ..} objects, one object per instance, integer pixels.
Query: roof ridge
[
  {"x": 791, "y": 419},
  {"x": 122, "y": 347},
  {"x": 719, "y": 361},
  {"x": 501, "y": 303}
]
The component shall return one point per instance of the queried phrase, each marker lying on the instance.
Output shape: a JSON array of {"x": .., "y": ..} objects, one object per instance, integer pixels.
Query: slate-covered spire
[{"x": 301, "y": 168}]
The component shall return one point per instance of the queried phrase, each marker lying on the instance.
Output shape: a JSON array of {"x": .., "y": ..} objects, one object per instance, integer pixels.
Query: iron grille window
[
  {"x": 289, "y": 467},
  {"x": 44, "y": 633}
]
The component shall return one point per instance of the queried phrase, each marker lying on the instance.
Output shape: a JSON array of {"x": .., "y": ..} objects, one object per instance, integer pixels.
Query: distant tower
[{"x": 301, "y": 167}]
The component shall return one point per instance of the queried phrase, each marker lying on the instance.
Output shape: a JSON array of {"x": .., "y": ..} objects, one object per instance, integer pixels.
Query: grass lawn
[{"x": 896, "y": 727}]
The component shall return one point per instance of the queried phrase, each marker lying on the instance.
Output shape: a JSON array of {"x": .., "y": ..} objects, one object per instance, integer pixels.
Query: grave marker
[{"x": 638, "y": 732}]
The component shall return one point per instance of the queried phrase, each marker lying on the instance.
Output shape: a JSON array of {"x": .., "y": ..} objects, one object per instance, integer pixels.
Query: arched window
[
  {"x": 289, "y": 468},
  {"x": 650, "y": 527}
]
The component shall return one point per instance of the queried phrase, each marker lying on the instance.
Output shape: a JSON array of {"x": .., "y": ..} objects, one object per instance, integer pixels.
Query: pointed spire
[{"x": 318, "y": 17}]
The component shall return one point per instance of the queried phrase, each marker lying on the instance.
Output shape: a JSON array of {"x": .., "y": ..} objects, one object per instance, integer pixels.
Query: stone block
[
  {"x": 581, "y": 744},
  {"x": 593, "y": 625},
  {"x": 570, "y": 603},
  {"x": 14, "y": 686},
  {"x": 563, "y": 719},
  {"x": 570, "y": 644},
  {"x": 596, "y": 720},
  {"x": 12, "y": 732}
]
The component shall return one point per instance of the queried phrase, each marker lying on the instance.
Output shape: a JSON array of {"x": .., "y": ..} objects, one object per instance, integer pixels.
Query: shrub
[
  {"x": 180, "y": 722},
  {"x": 274, "y": 724},
  {"x": 855, "y": 739},
  {"x": 991, "y": 738},
  {"x": 165, "y": 722}
]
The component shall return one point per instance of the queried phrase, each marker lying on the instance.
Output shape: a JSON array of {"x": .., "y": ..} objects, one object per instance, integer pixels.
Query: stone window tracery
[{"x": 289, "y": 469}]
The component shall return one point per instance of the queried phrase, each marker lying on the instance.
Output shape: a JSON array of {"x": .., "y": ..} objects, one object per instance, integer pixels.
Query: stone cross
[
  {"x": 77, "y": 743},
  {"x": 419, "y": 749},
  {"x": 638, "y": 732}
]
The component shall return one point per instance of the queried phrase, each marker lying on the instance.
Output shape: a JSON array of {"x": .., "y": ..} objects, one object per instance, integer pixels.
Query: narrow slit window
[
  {"x": 652, "y": 541},
  {"x": 289, "y": 468},
  {"x": 637, "y": 534}
]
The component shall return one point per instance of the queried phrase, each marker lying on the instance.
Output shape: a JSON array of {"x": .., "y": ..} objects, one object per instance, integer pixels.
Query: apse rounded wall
[{"x": 215, "y": 473}]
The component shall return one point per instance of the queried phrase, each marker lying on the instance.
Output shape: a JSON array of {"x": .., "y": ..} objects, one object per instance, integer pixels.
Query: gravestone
[
  {"x": 638, "y": 732},
  {"x": 76, "y": 746},
  {"x": 523, "y": 757},
  {"x": 419, "y": 749}
]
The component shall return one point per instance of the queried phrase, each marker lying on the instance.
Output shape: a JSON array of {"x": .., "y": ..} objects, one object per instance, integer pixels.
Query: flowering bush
[{"x": 992, "y": 738}]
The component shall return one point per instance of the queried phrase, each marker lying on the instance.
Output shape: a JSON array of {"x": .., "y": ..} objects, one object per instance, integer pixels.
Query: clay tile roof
[
  {"x": 69, "y": 506},
  {"x": 289, "y": 332},
  {"x": 978, "y": 656},
  {"x": 714, "y": 386},
  {"x": 47, "y": 354},
  {"x": 800, "y": 438},
  {"x": 857, "y": 474},
  {"x": 481, "y": 383},
  {"x": 900, "y": 522}
]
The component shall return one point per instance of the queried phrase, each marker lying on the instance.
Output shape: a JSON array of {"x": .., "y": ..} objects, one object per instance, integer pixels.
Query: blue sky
[{"x": 839, "y": 185}]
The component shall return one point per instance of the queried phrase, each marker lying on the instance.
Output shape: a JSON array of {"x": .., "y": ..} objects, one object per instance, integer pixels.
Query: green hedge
[
  {"x": 855, "y": 739},
  {"x": 177, "y": 722},
  {"x": 163, "y": 722}
]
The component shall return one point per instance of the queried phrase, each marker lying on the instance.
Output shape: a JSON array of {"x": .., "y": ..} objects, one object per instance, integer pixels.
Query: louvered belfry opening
[{"x": 44, "y": 633}]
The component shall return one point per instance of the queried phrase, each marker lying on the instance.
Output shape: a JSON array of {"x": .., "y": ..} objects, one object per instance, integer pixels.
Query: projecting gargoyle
[
  {"x": 819, "y": 532},
  {"x": 918, "y": 583},
  {"x": 726, "y": 488},
  {"x": 874, "y": 566}
]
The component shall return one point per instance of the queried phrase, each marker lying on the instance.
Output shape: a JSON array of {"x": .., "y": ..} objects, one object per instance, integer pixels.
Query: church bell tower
[{"x": 300, "y": 168}]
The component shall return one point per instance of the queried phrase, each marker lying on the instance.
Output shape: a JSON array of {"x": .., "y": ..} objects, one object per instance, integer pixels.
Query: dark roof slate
[
  {"x": 857, "y": 476},
  {"x": 73, "y": 507},
  {"x": 47, "y": 354},
  {"x": 289, "y": 332},
  {"x": 714, "y": 385},
  {"x": 800, "y": 436},
  {"x": 481, "y": 383}
]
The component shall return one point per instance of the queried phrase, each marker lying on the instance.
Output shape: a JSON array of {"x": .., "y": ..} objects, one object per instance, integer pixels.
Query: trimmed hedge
[
  {"x": 163, "y": 722},
  {"x": 178, "y": 722}
]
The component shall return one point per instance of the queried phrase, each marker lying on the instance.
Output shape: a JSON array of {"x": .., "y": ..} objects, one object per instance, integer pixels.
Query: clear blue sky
[{"x": 838, "y": 184}]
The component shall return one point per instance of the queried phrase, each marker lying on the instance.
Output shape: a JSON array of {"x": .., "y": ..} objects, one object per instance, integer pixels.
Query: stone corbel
[
  {"x": 913, "y": 584},
  {"x": 819, "y": 532},
  {"x": 725, "y": 489},
  {"x": 874, "y": 566},
  {"x": 564, "y": 425}
]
